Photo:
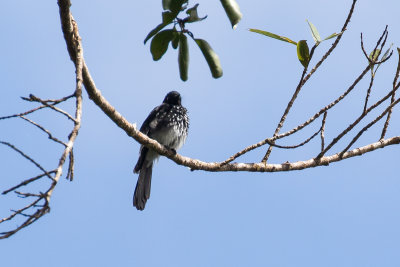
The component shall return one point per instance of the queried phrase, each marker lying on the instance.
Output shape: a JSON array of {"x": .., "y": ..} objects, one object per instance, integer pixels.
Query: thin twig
[
  {"x": 28, "y": 158},
  {"x": 371, "y": 83},
  {"x": 299, "y": 145},
  {"x": 301, "y": 126},
  {"x": 23, "y": 114},
  {"x": 323, "y": 131},
  {"x": 371, "y": 60},
  {"x": 396, "y": 76},
  {"x": 70, "y": 172},
  {"x": 31, "y": 219},
  {"x": 386, "y": 125},
  {"x": 26, "y": 182},
  {"x": 351, "y": 126},
  {"x": 344, "y": 28},
  {"x": 36, "y": 99},
  {"x": 25, "y": 195},
  {"x": 305, "y": 79},
  {"x": 78, "y": 61},
  {"x": 286, "y": 112},
  {"x": 50, "y": 136},
  {"x": 247, "y": 149},
  {"x": 54, "y": 101},
  {"x": 22, "y": 214},
  {"x": 19, "y": 211},
  {"x": 369, "y": 125}
]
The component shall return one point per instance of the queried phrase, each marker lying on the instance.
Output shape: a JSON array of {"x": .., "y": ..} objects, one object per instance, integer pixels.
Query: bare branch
[
  {"x": 24, "y": 113},
  {"x": 44, "y": 208},
  {"x": 303, "y": 79},
  {"x": 54, "y": 102},
  {"x": 16, "y": 212},
  {"x": 370, "y": 124},
  {"x": 287, "y": 166},
  {"x": 44, "y": 130},
  {"x": 337, "y": 40},
  {"x": 31, "y": 218},
  {"x": 25, "y": 195},
  {"x": 27, "y": 157},
  {"x": 371, "y": 82},
  {"x": 286, "y": 112},
  {"x": 70, "y": 172},
  {"x": 26, "y": 182},
  {"x": 396, "y": 76},
  {"x": 323, "y": 131},
  {"x": 36, "y": 99},
  {"x": 370, "y": 60},
  {"x": 78, "y": 61},
  {"x": 299, "y": 145},
  {"x": 351, "y": 126},
  {"x": 301, "y": 126},
  {"x": 131, "y": 130}
]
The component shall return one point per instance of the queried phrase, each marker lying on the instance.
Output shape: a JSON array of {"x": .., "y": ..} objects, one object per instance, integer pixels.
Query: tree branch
[
  {"x": 67, "y": 152},
  {"x": 303, "y": 79},
  {"x": 396, "y": 76},
  {"x": 131, "y": 130}
]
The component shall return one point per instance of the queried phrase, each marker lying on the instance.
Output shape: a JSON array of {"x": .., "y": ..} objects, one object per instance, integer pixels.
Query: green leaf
[
  {"x": 177, "y": 6},
  {"x": 314, "y": 33},
  {"x": 303, "y": 53},
  {"x": 374, "y": 54},
  {"x": 232, "y": 10},
  {"x": 159, "y": 44},
  {"x": 211, "y": 58},
  {"x": 183, "y": 57},
  {"x": 166, "y": 4},
  {"x": 175, "y": 39},
  {"x": 385, "y": 55},
  {"x": 272, "y": 35},
  {"x": 167, "y": 18},
  {"x": 193, "y": 16},
  {"x": 174, "y": 7},
  {"x": 333, "y": 35}
]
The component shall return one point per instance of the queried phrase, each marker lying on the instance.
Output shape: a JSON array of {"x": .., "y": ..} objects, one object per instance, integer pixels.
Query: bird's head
[{"x": 173, "y": 98}]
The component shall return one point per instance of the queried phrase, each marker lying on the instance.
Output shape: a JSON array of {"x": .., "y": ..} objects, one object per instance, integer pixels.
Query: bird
[{"x": 167, "y": 123}]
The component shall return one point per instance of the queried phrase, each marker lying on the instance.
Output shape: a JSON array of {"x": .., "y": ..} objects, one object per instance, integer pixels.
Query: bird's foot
[{"x": 173, "y": 150}]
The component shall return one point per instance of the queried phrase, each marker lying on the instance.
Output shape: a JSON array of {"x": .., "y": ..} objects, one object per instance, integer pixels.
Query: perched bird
[{"x": 167, "y": 123}]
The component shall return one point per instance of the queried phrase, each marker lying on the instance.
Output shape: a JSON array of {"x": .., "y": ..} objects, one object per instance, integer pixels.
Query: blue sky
[{"x": 346, "y": 214}]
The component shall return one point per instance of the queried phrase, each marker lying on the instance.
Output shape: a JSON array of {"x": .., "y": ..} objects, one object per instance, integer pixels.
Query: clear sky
[{"x": 346, "y": 214}]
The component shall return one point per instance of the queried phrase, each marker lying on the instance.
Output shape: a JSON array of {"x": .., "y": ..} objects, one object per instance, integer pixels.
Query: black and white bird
[{"x": 167, "y": 123}]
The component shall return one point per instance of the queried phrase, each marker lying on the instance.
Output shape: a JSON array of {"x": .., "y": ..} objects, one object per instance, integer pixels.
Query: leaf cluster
[
  {"x": 177, "y": 36},
  {"x": 303, "y": 51}
]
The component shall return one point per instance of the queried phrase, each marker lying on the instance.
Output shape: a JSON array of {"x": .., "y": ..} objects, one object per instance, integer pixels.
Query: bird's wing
[
  {"x": 145, "y": 128},
  {"x": 155, "y": 120}
]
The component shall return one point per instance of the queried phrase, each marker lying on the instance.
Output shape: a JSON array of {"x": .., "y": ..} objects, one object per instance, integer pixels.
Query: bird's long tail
[{"x": 143, "y": 186}]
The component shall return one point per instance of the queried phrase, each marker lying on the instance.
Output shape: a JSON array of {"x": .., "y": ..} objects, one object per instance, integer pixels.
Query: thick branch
[
  {"x": 46, "y": 196},
  {"x": 131, "y": 130}
]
